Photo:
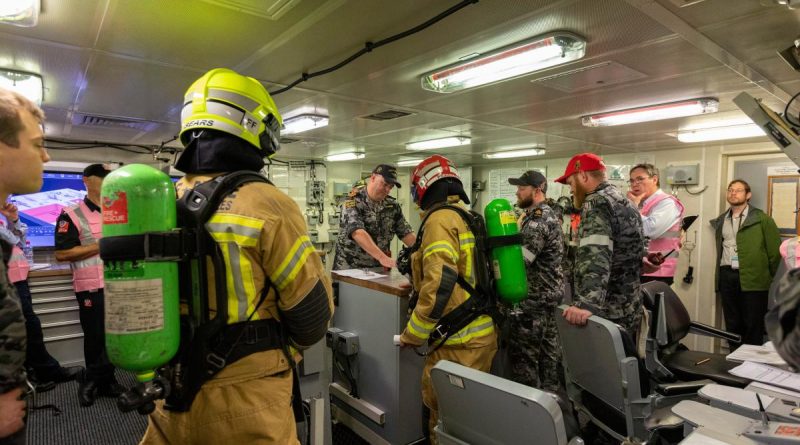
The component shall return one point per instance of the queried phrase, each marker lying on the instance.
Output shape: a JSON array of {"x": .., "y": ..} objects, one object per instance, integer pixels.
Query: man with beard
[
  {"x": 748, "y": 256},
  {"x": 611, "y": 246},
  {"x": 533, "y": 344}
]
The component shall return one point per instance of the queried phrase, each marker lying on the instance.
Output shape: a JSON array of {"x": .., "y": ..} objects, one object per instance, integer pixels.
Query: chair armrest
[
  {"x": 710, "y": 331},
  {"x": 676, "y": 388}
]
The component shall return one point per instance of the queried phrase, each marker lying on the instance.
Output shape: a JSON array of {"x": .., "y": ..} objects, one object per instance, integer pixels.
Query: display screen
[{"x": 40, "y": 210}]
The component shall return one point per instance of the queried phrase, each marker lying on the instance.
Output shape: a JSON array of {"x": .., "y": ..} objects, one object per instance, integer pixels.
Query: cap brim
[
  {"x": 563, "y": 179},
  {"x": 396, "y": 183},
  {"x": 517, "y": 181}
]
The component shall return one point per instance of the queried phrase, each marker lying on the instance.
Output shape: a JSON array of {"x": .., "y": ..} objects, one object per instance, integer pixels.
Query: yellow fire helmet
[{"x": 239, "y": 105}]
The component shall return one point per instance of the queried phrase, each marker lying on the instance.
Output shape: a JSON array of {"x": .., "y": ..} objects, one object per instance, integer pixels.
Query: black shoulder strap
[{"x": 198, "y": 204}]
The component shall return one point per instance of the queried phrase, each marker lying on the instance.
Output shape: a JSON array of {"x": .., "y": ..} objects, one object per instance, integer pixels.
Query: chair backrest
[
  {"x": 479, "y": 408},
  {"x": 677, "y": 317},
  {"x": 595, "y": 358}
]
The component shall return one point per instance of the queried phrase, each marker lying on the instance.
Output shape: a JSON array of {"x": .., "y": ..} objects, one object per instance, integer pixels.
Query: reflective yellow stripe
[
  {"x": 418, "y": 327},
  {"x": 467, "y": 244},
  {"x": 480, "y": 327},
  {"x": 294, "y": 261},
  {"x": 440, "y": 246},
  {"x": 232, "y": 233}
]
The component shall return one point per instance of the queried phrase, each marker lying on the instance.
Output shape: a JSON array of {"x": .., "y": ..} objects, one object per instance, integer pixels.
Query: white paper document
[
  {"x": 758, "y": 385},
  {"x": 360, "y": 274},
  {"x": 768, "y": 374},
  {"x": 754, "y": 353}
]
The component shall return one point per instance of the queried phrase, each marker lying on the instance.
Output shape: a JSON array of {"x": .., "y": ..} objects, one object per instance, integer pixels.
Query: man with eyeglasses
[
  {"x": 370, "y": 220},
  {"x": 661, "y": 220},
  {"x": 748, "y": 256}
]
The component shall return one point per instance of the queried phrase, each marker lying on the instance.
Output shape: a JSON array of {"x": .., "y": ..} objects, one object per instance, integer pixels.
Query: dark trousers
[
  {"x": 744, "y": 311},
  {"x": 647, "y": 279},
  {"x": 45, "y": 368},
  {"x": 98, "y": 367}
]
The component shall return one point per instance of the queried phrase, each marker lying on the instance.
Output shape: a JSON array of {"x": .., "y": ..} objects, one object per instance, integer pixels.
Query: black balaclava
[
  {"x": 440, "y": 190},
  {"x": 213, "y": 151}
]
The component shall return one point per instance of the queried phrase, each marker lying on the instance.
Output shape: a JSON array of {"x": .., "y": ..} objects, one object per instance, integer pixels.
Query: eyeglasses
[
  {"x": 638, "y": 179},
  {"x": 737, "y": 191}
]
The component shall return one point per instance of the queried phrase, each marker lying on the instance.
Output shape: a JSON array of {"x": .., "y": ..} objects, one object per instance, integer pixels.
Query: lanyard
[{"x": 741, "y": 218}]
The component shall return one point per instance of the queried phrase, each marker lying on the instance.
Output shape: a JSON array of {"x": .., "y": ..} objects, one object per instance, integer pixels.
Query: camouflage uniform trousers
[{"x": 533, "y": 348}]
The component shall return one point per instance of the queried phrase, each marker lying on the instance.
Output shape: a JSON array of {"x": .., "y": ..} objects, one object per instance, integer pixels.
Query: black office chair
[{"x": 667, "y": 359}]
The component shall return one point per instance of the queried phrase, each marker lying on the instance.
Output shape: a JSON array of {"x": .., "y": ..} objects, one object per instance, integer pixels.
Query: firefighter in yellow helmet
[
  {"x": 230, "y": 123},
  {"x": 445, "y": 256}
]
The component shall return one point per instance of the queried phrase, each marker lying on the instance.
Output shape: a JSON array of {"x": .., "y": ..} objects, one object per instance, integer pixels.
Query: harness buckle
[{"x": 215, "y": 361}]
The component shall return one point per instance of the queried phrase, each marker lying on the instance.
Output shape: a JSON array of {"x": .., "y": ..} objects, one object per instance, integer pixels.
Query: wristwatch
[{"x": 578, "y": 304}]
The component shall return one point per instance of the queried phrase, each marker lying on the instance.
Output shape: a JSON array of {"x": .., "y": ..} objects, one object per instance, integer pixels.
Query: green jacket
[{"x": 757, "y": 243}]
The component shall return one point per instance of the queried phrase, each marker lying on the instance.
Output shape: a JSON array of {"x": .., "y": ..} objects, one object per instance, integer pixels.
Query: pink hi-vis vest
[
  {"x": 669, "y": 240},
  {"x": 18, "y": 266},
  {"x": 791, "y": 253},
  {"x": 87, "y": 275}
]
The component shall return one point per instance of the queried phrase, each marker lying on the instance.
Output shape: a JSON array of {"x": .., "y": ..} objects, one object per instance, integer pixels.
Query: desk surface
[
  {"x": 54, "y": 270},
  {"x": 393, "y": 283}
]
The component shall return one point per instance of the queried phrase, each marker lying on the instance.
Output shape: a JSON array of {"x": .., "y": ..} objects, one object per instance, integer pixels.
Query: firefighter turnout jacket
[
  {"x": 447, "y": 250},
  {"x": 263, "y": 238}
]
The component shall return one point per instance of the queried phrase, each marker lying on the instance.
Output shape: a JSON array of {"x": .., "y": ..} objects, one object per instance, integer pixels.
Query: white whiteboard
[{"x": 498, "y": 186}]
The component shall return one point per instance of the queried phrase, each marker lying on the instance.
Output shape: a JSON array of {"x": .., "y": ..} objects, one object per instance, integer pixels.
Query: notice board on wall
[{"x": 498, "y": 186}]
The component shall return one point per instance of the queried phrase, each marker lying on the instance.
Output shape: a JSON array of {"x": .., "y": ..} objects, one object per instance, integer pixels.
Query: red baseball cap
[{"x": 584, "y": 162}]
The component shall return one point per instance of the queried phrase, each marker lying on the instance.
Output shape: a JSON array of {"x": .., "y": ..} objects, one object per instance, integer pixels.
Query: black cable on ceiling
[
  {"x": 786, "y": 114},
  {"x": 369, "y": 46}
]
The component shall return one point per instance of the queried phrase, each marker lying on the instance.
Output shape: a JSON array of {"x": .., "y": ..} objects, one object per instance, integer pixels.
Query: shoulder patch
[
  {"x": 537, "y": 213},
  {"x": 350, "y": 203},
  {"x": 63, "y": 226}
]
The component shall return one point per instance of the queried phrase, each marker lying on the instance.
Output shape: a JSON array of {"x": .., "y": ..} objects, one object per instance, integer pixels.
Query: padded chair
[
  {"x": 607, "y": 384},
  {"x": 669, "y": 360},
  {"x": 476, "y": 408}
]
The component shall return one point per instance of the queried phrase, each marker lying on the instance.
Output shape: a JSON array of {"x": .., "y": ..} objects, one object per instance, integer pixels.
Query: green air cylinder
[
  {"x": 508, "y": 265},
  {"x": 142, "y": 319}
]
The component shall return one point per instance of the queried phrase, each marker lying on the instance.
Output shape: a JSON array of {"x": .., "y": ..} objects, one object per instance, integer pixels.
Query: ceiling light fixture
[
  {"x": 504, "y": 63},
  {"x": 20, "y": 12},
  {"x": 721, "y": 133},
  {"x": 303, "y": 122},
  {"x": 514, "y": 153},
  {"x": 27, "y": 84},
  {"x": 349, "y": 156},
  {"x": 432, "y": 144},
  {"x": 409, "y": 162},
  {"x": 669, "y": 110}
]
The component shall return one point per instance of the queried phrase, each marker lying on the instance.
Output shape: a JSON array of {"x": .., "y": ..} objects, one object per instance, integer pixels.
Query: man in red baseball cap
[{"x": 610, "y": 248}]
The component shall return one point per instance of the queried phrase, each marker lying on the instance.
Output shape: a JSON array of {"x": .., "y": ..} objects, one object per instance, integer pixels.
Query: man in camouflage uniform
[
  {"x": 533, "y": 341},
  {"x": 370, "y": 219},
  {"x": 611, "y": 247},
  {"x": 22, "y": 156}
]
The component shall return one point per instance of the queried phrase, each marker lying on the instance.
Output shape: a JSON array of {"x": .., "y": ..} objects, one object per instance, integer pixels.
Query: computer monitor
[{"x": 40, "y": 210}]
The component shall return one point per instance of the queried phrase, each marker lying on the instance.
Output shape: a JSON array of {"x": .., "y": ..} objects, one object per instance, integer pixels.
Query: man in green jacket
[{"x": 747, "y": 257}]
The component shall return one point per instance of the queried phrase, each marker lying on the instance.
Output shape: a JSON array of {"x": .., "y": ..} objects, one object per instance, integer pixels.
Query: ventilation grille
[
  {"x": 268, "y": 9},
  {"x": 386, "y": 115},
  {"x": 95, "y": 120},
  {"x": 297, "y": 165},
  {"x": 684, "y": 3}
]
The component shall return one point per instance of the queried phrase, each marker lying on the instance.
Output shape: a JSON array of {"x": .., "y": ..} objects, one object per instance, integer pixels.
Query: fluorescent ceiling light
[
  {"x": 670, "y": 110},
  {"x": 514, "y": 153},
  {"x": 409, "y": 162},
  {"x": 432, "y": 144},
  {"x": 20, "y": 12},
  {"x": 349, "y": 156},
  {"x": 303, "y": 122},
  {"x": 27, "y": 84},
  {"x": 721, "y": 133},
  {"x": 511, "y": 61}
]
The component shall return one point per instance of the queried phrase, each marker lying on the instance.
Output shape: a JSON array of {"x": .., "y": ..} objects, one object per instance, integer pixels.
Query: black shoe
[
  {"x": 41, "y": 387},
  {"x": 68, "y": 374},
  {"x": 111, "y": 389},
  {"x": 87, "y": 391}
]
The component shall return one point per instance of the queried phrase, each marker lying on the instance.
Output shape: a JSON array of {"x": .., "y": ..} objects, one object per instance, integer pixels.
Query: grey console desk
[{"x": 389, "y": 407}]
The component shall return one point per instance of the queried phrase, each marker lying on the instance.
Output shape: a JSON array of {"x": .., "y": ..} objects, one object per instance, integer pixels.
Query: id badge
[{"x": 734, "y": 261}]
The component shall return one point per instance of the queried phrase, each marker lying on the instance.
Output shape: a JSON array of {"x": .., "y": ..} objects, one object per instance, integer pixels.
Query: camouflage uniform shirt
[
  {"x": 381, "y": 220},
  {"x": 533, "y": 347},
  {"x": 543, "y": 249},
  {"x": 12, "y": 330},
  {"x": 608, "y": 262}
]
